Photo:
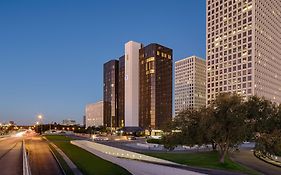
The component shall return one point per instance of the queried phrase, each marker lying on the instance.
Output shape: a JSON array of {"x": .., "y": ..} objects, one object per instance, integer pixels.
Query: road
[
  {"x": 246, "y": 157},
  {"x": 11, "y": 156},
  {"x": 41, "y": 159}
]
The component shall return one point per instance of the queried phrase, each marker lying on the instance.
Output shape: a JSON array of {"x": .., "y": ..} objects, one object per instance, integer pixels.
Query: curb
[{"x": 272, "y": 162}]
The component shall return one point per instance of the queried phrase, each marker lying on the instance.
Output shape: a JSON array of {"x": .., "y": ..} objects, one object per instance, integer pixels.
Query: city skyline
[
  {"x": 140, "y": 87},
  {"x": 53, "y": 52}
]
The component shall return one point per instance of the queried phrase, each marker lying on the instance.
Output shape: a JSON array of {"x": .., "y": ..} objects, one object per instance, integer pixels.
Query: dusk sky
[{"x": 52, "y": 52}]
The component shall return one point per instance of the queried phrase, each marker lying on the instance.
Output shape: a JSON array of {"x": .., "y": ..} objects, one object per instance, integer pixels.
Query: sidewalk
[
  {"x": 139, "y": 164},
  {"x": 133, "y": 166}
]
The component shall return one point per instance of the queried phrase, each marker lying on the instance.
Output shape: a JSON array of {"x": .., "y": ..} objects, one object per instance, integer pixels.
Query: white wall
[{"x": 132, "y": 83}]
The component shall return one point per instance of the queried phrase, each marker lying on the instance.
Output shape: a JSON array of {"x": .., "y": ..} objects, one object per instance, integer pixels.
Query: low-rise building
[
  {"x": 69, "y": 122},
  {"x": 94, "y": 114}
]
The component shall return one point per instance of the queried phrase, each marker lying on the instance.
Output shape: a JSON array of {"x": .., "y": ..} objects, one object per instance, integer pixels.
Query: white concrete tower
[{"x": 132, "y": 83}]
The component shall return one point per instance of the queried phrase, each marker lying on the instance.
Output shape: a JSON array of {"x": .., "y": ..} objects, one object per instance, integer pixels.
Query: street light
[{"x": 40, "y": 117}]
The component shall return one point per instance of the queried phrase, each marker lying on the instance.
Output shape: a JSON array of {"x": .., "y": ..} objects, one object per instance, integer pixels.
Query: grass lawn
[
  {"x": 85, "y": 161},
  {"x": 203, "y": 159},
  {"x": 64, "y": 165}
]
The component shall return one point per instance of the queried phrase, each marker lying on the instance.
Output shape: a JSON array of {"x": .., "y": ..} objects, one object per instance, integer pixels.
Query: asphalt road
[
  {"x": 41, "y": 159},
  {"x": 247, "y": 158},
  {"x": 11, "y": 156}
]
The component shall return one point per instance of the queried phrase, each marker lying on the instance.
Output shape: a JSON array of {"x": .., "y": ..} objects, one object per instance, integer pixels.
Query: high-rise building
[
  {"x": 155, "y": 86},
  {"x": 243, "y": 48},
  {"x": 132, "y": 83},
  {"x": 94, "y": 114},
  {"x": 121, "y": 92},
  {"x": 110, "y": 93},
  {"x": 137, "y": 95},
  {"x": 190, "y": 83}
]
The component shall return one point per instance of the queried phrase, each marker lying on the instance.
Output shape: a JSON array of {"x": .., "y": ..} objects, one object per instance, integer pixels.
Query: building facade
[
  {"x": 155, "y": 86},
  {"x": 69, "y": 122},
  {"x": 110, "y": 93},
  {"x": 94, "y": 114},
  {"x": 190, "y": 83},
  {"x": 132, "y": 83},
  {"x": 243, "y": 48},
  {"x": 121, "y": 92}
]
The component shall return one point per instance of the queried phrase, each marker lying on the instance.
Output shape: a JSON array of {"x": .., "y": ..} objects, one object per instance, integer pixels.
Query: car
[
  {"x": 131, "y": 138},
  {"x": 100, "y": 139}
]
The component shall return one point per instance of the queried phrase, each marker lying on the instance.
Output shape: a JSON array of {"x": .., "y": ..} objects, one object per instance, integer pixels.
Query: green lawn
[
  {"x": 85, "y": 161},
  {"x": 203, "y": 159},
  {"x": 64, "y": 165}
]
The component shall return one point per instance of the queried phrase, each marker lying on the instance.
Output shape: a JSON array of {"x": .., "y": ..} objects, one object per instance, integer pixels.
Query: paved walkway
[
  {"x": 247, "y": 158},
  {"x": 133, "y": 166}
]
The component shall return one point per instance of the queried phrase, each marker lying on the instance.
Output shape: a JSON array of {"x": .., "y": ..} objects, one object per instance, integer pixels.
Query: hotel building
[
  {"x": 132, "y": 83},
  {"x": 138, "y": 87},
  {"x": 110, "y": 93},
  {"x": 190, "y": 84},
  {"x": 94, "y": 114},
  {"x": 244, "y": 48},
  {"x": 155, "y": 86},
  {"x": 121, "y": 92}
]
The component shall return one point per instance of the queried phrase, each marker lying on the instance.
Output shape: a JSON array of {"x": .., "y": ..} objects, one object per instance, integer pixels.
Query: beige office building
[
  {"x": 94, "y": 114},
  {"x": 244, "y": 48},
  {"x": 190, "y": 83}
]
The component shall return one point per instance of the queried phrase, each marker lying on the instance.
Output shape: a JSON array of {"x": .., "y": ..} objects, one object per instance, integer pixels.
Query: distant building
[
  {"x": 68, "y": 122},
  {"x": 190, "y": 83},
  {"x": 84, "y": 120},
  {"x": 155, "y": 88},
  {"x": 110, "y": 93},
  {"x": 94, "y": 114}
]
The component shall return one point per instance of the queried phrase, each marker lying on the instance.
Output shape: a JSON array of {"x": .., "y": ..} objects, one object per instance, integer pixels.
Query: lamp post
[{"x": 40, "y": 117}]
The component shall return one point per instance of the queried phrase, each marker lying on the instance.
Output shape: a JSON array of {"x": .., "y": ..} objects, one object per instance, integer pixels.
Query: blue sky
[{"x": 52, "y": 52}]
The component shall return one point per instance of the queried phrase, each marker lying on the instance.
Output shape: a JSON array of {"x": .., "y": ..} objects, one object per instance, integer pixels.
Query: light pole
[{"x": 40, "y": 117}]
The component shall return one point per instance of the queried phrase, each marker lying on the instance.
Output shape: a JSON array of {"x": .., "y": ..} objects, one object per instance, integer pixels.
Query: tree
[
  {"x": 188, "y": 123},
  {"x": 269, "y": 143},
  {"x": 222, "y": 123},
  {"x": 261, "y": 113},
  {"x": 265, "y": 117},
  {"x": 227, "y": 120}
]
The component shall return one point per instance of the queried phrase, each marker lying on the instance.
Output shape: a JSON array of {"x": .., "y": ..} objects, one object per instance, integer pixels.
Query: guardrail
[{"x": 25, "y": 162}]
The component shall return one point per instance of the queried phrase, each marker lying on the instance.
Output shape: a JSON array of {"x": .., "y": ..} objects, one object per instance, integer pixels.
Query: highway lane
[
  {"x": 41, "y": 159},
  {"x": 11, "y": 156}
]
